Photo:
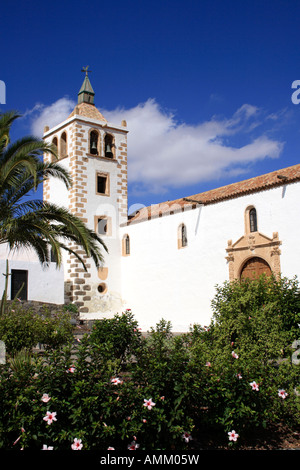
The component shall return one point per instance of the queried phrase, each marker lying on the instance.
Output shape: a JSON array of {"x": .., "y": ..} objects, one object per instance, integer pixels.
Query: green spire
[{"x": 86, "y": 93}]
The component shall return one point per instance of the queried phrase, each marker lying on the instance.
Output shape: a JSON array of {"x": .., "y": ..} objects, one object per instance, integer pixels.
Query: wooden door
[
  {"x": 255, "y": 267},
  {"x": 19, "y": 279}
]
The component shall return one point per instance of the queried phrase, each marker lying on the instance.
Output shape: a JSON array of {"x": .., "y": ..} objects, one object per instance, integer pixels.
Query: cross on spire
[{"x": 85, "y": 69}]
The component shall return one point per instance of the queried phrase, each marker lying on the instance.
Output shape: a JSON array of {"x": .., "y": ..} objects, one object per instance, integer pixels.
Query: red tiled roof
[{"x": 252, "y": 185}]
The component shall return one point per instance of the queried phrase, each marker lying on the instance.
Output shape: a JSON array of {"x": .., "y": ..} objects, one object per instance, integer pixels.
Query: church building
[{"x": 165, "y": 260}]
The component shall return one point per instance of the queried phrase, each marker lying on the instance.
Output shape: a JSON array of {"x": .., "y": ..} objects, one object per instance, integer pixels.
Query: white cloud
[
  {"x": 164, "y": 154},
  {"x": 52, "y": 115}
]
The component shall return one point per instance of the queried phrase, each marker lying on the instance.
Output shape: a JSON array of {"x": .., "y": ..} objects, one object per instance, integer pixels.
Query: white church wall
[
  {"x": 45, "y": 284},
  {"x": 161, "y": 281}
]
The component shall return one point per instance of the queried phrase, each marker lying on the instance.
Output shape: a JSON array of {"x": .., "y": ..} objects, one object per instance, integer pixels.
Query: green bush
[
  {"x": 118, "y": 336},
  {"x": 123, "y": 389},
  {"x": 249, "y": 340},
  {"x": 56, "y": 329},
  {"x": 21, "y": 328},
  {"x": 259, "y": 315}
]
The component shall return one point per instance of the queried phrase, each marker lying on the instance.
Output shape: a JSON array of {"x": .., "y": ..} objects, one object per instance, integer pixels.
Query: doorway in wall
[
  {"x": 19, "y": 279},
  {"x": 255, "y": 267}
]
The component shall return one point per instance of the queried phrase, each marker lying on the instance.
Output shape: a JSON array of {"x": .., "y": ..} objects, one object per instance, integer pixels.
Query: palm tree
[{"x": 37, "y": 224}]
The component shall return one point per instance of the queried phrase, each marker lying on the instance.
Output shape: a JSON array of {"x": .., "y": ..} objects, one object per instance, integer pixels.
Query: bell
[
  {"x": 94, "y": 148},
  {"x": 108, "y": 150}
]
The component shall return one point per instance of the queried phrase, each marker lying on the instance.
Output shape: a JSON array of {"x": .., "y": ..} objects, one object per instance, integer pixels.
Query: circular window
[{"x": 102, "y": 288}]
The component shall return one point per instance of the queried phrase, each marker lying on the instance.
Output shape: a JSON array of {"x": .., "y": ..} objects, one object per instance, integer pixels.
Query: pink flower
[
  {"x": 110, "y": 448},
  {"x": 45, "y": 398},
  {"x": 208, "y": 364},
  {"x": 71, "y": 369},
  {"x": 116, "y": 381},
  {"x": 282, "y": 393},
  {"x": 77, "y": 444},
  {"x": 149, "y": 403},
  {"x": 234, "y": 355},
  {"x": 50, "y": 416},
  {"x": 233, "y": 436},
  {"x": 186, "y": 436},
  {"x": 239, "y": 375},
  {"x": 133, "y": 446},
  {"x": 144, "y": 420},
  {"x": 47, "y": 447},
  {"x": 254, "y": 386}
]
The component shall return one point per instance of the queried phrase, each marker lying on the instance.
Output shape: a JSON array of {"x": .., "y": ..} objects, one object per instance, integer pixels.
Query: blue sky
[{"x": 205, "y": 86}]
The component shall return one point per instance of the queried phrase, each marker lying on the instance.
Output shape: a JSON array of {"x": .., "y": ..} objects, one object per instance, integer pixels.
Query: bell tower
[{"x": 94, "y": 151}]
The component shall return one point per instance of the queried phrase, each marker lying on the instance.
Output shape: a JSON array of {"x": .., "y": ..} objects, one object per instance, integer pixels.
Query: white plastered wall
[
  {"x": 161, "y": 281},
  {"x": 45, "y": 284}
]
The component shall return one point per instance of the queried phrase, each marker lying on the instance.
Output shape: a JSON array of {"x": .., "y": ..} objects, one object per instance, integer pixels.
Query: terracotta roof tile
[{"x": 252, "y": 185}]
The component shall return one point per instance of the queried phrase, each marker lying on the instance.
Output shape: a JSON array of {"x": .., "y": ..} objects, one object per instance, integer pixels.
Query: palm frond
[
  {"x": 33, "y": 223},
  {"x": 6, "y": 120}
]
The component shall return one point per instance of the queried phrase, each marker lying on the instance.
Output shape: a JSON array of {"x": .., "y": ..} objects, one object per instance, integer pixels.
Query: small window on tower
[
  {"x": 63, "y": 145},
  {"x": 53, "y": 257},
  {"x": 103, "y": 225},
  {"x": 55, "y": 145},
  {"x": 102, "y": 184}
]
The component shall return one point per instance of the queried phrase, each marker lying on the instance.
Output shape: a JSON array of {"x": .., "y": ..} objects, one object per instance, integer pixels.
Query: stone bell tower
[{"x": 94, "y": 151}]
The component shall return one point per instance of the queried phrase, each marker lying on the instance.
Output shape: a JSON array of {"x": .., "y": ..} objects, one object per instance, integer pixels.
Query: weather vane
[{"x": 85, "y": 69}]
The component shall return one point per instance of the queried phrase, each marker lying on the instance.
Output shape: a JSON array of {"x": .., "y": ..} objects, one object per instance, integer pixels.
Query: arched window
[
  {"x": 253, "y": 220},
  {"x": 55, "y": 145},
  {"x": 109, "y": 146},
  {"x": 126, "y": 245},
  {"x": 182, "y": 236},
  {"x": 63, "y": 145},
  {"x": 94, "y": 137},
  {"x": 250, "y": 220}
]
